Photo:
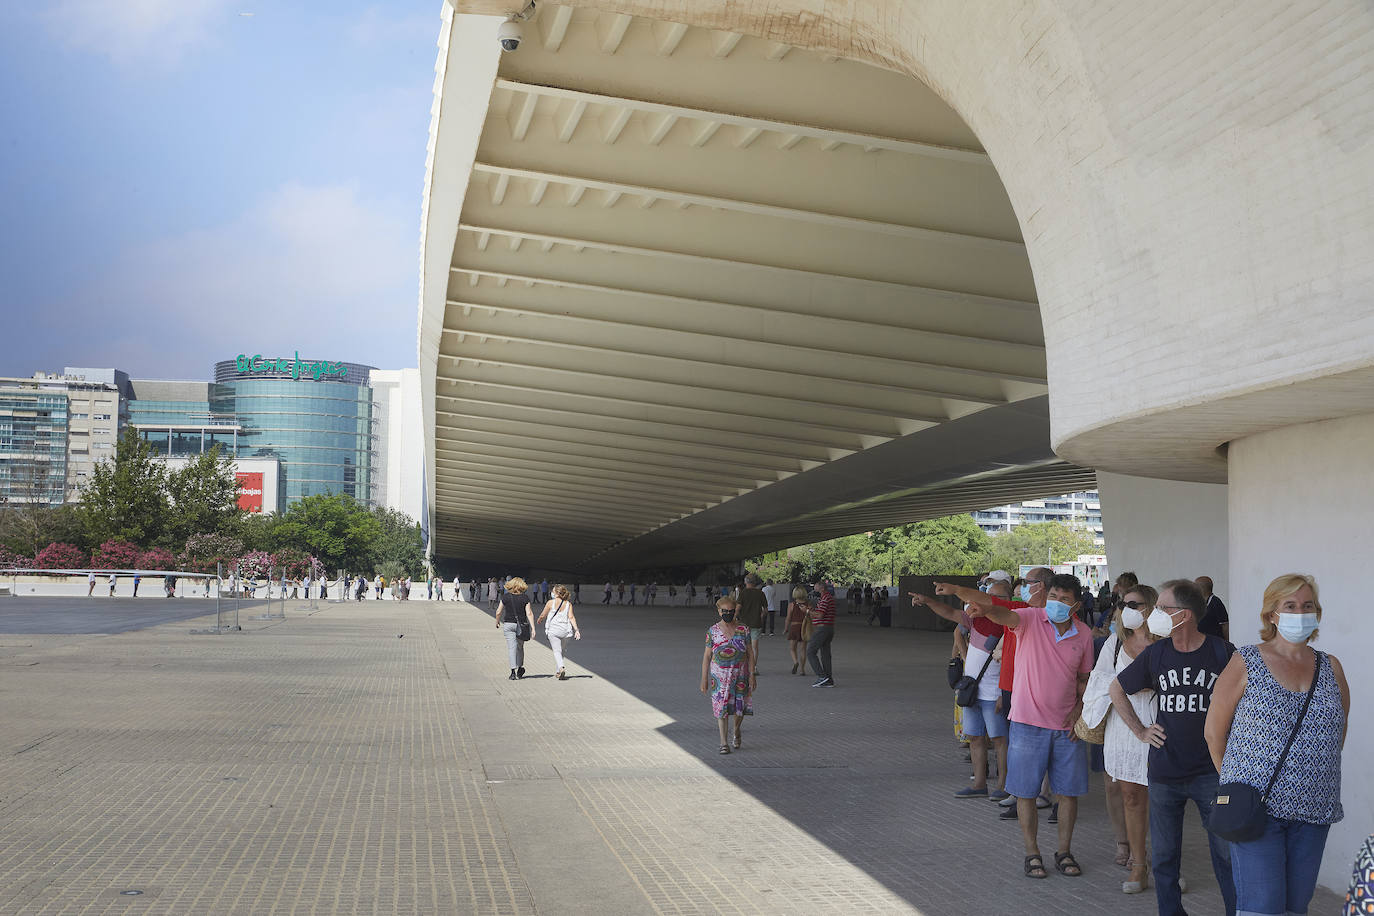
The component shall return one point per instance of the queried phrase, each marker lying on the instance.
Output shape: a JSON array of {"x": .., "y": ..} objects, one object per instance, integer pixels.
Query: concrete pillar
[
  {"x": 1301, "y": 501},
  {"x": 1165, "y": 529}
]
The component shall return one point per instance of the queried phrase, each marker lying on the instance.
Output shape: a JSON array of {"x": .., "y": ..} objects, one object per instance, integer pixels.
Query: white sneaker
[{"x": 1007, "y": 802}]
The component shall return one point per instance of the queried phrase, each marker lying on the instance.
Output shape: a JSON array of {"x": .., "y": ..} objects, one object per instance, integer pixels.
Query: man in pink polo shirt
[{"x": 1054, "y": 656}]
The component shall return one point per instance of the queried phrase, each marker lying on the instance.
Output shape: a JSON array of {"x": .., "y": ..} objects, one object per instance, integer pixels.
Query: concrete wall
[
  {"x": 1301, "y": 501},
  {"x": 1164, "y": 529}
]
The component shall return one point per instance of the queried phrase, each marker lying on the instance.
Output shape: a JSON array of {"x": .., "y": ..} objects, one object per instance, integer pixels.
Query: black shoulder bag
[
  {"x": 522, "y": 621},
  {"x": 1239, "y": 813},
  {"x": 966, "y": 690}
]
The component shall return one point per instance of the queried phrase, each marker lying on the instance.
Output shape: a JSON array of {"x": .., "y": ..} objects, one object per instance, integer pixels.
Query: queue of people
[{"x": 1180, "y": 715}]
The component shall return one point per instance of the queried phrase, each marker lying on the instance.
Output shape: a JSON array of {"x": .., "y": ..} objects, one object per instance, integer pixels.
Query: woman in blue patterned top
[{"x": 1256, "y": 701}]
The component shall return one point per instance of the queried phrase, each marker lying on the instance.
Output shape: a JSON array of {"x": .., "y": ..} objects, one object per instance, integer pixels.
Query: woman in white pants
[{"x": 562, "y": 625}]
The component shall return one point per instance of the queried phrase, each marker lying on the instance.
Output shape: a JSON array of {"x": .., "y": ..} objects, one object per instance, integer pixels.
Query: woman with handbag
[
  {"x": 1126, "y": 757},
  {"x": 1275, "y": 730},
  {"x": 562, "y": 625},
  {"x": 798, "y": 628},
  {"x": 516, "y": 619}
]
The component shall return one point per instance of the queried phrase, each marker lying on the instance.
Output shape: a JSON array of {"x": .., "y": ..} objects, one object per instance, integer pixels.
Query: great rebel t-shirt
[{"x": 1183, "y": 683}]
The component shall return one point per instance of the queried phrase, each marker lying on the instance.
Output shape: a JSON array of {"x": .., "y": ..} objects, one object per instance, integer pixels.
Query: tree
[
  {"x": 336, "y": 529},
  {"x": 1038, "y": 544},
  {"x": 400, "y": 542},
  {"x": 949, "y": 546},
  {"x": 127, "y": 497},
  {"x": 202, "y": 497}
]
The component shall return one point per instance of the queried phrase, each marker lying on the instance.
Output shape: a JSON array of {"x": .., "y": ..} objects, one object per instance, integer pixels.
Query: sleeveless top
[{"x": 1308, "y": 788}]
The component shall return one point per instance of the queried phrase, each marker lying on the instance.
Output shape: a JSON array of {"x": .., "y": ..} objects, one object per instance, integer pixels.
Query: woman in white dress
[
  {"x": 1127, "y": 757},
  {"x": 561, "y": 627}
]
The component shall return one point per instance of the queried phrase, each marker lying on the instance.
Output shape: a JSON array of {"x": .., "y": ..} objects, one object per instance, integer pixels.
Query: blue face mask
[
  {"x": 1296, "y": 628},
  {"x": 1057, "y": 611},
  {"x": 1025, "y": 591}
]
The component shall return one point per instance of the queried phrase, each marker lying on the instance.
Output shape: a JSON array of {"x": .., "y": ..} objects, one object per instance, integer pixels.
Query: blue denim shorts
[
  {"x": 1033, "y": 751},
  {"x": 982, "y": 718}
]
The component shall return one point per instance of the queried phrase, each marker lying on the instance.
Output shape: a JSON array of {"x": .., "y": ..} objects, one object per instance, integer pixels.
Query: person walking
[
  {"x": 751, "y": 609},
  {"x": 770, "y": 595},
  {"x": 727, "y": 676},
  {"x": 515, "y": 609},
  {"x": 90, "y": 584},
  {"x": 491, "y": 593},
  {"x": 620, "y": 593},
  {"x": 1182, "y": 669},
  {"x": 1268, "y": 692},
  {"x": 822, "y": 635},
  {"x": 114, "y": 579},
  {"x": 798, "y": 625},
  {"x": 1125, "y": 756},
  {"x": 360, "y": 588},
  {"x": 561, "y": 627},
  {"x": 137, "y": 579}
]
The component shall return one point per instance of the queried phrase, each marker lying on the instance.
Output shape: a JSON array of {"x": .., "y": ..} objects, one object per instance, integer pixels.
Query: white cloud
[
  {"x": 315, "y": 269},
  {"x": 136, "y": 30}
]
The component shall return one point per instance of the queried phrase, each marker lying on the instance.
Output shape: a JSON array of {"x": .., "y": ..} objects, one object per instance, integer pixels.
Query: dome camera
[{"x": 510, "y": 34}]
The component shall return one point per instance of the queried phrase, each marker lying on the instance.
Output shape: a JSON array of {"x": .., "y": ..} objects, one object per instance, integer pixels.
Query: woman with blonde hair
[
  {"x": 798, "y": 624},
  {"x": 515, "y": 610},
  {"x": 1127, "y": 757},
  {"x": 1277, "y": 723},
  {"x": 562, "y": 625}
]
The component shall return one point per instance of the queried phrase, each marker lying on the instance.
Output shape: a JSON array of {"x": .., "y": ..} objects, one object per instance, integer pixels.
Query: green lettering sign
[{"x": 296, "y": 368}]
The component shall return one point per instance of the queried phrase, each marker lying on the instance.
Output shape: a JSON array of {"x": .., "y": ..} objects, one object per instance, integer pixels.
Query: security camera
[{"x": 510, "y": 34}]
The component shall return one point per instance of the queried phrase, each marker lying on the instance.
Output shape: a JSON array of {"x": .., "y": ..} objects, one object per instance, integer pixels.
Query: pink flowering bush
[
  {"x": 297, "y": 563},
  {"x": 11, "y": 560},
  {"x": 60, "y": 556},
  {"x": 204, "y": 551},
  {"x": 157, "y": 558},
  {"x": 116, "y": 554},
  {"x": 257, "y": 564}
]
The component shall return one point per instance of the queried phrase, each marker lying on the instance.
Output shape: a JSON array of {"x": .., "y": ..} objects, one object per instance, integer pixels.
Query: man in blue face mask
[
  {"x": 1181, "y": 668},
  {"x": 1054, "y": 656}
]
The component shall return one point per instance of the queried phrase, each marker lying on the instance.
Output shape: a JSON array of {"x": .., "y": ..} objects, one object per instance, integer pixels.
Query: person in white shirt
[
  {"x": 770, "y": 592},
  {"x": 90, "y": 584},
  {"x": 112, "y": 584},
  {"x": 457, "y": 589},
  {"x": 306, "y": 585}
]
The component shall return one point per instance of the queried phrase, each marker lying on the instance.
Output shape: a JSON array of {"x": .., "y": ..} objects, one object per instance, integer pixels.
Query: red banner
[{"x": 250, "y": 491}]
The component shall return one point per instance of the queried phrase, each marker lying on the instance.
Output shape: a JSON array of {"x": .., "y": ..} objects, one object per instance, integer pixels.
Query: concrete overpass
[
  {"x": 703, "y": 279},
  {"x": 709, "y": 295}
]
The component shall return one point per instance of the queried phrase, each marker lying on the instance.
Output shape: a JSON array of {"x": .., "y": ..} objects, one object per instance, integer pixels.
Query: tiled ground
[{"x": 321, "y": 764}]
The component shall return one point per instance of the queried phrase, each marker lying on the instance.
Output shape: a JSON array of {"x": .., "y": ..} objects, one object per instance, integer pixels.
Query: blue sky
[{"x": 181, "y": 181}]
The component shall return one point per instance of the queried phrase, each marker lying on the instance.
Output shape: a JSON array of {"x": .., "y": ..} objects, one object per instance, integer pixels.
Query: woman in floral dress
[{"x": 727, "y": 672}]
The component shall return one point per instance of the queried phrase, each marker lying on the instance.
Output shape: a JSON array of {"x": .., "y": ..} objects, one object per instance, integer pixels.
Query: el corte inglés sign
[{"x": 295, "y": 368}]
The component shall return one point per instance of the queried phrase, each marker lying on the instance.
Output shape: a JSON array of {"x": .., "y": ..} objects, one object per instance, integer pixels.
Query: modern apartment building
[
  {"x": 53, "y": 430},
  {"x": 1079, "y": 510}
]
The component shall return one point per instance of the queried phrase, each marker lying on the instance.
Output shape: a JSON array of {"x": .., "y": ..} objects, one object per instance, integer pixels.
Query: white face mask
[
  {"x": 1131, "y": 618},
  {"x": 1161, "y": 622}
]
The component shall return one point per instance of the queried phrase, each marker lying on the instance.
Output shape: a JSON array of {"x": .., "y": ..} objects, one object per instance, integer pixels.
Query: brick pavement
[{"x": 323, "y": 765}]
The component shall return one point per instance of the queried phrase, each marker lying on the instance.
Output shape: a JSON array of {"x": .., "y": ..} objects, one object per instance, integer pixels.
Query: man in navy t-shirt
[{"x": 1181, "y": 670}]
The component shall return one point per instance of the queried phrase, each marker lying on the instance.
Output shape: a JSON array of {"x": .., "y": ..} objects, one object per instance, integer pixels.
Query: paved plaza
[{"x": 373, "y": 758}]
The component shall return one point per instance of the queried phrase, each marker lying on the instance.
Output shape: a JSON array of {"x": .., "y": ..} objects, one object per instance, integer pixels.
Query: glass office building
[{"x": 316, "y": 417}]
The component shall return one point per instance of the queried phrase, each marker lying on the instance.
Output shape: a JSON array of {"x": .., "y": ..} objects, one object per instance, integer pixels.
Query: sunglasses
[{"x": 1133, "y": 605}]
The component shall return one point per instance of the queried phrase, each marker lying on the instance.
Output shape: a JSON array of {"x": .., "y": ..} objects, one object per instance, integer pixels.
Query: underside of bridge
[{"x": 708, "y": 296}]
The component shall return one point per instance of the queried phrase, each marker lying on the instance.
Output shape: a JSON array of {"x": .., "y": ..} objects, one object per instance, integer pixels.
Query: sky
[{"x": 182, "y": 181}]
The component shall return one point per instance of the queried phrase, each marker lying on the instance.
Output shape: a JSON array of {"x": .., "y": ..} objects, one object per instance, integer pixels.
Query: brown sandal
[{"x": 1035, "y": 864}]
